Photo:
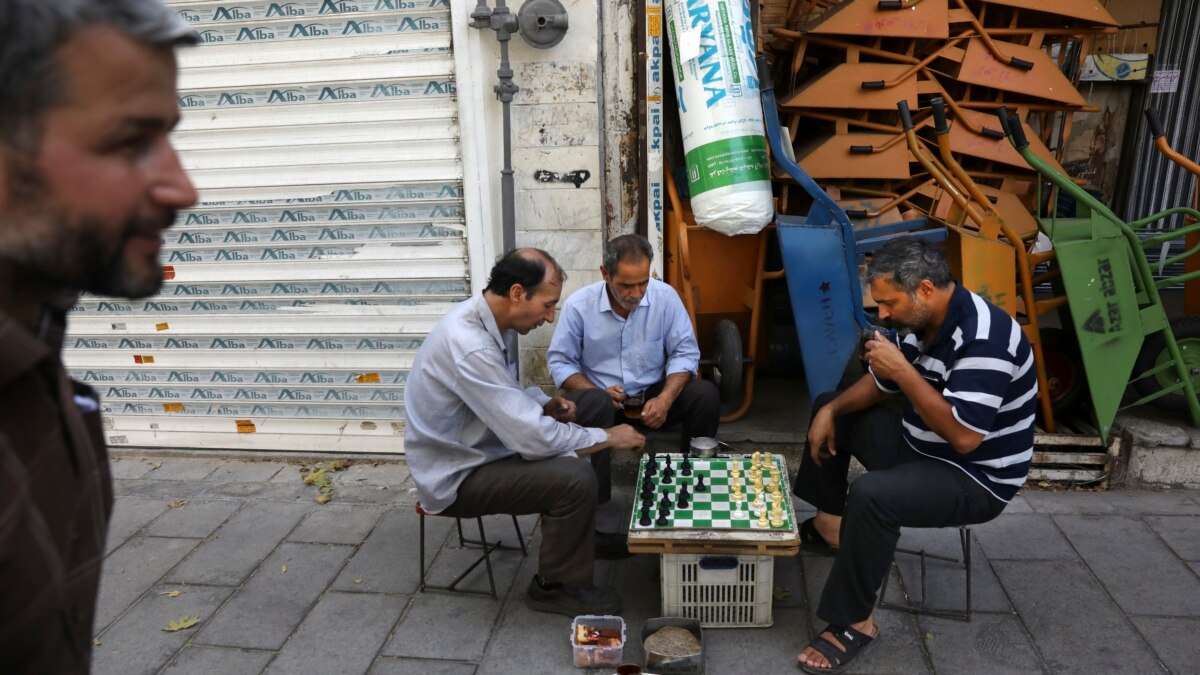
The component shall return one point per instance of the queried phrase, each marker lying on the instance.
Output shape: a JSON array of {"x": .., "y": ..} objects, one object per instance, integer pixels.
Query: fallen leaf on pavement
[
  {"x": 339, "y": 465},
  {"x": 96, "y": 642},
  {"x": 781, "y": 593},
  {"x": 155, "y": 465},
  {"x": 325, "y": 497},
  {"x": 177, "y": 503},
  {"x": 316, "y": 477},
  {"x": 357, "y": 580},
  {"x": 171, "y": 594},
  {"x": 928, "y": 637},
  {"x": 181, "y": 623},
  {"x": 283, "y": 569}
]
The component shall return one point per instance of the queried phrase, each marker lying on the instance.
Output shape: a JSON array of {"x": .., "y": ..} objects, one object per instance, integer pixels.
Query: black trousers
[
  {"x": 697, "y": 410},
  {"x": 562, "y": 489},
  {"x": 901, "y": 488}
]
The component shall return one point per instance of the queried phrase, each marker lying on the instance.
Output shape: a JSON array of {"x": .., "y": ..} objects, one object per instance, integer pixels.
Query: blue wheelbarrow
[{"x": 821, "y": 253}]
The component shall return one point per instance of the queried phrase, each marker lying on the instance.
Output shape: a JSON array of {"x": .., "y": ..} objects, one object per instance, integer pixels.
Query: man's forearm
[
  {"x": 937, "y": 412},
  {"x": 673, "y": 386},
  {"x": 577, "y": 382}
]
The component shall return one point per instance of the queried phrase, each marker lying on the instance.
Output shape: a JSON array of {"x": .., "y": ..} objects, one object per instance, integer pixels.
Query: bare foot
[
  {"x": 814, "y": 659},
  {"x": 829, "y": 527}
]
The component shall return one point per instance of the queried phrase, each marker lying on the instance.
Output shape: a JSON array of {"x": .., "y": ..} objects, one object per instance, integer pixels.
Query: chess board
[{"x": 713, "y": 509}]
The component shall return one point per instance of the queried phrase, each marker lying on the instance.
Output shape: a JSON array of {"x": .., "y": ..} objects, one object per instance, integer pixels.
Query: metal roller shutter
[{"x": 323, "y": 136}]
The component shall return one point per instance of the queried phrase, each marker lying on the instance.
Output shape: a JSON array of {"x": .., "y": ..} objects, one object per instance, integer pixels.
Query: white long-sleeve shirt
[{"x": 464, "y": 407}]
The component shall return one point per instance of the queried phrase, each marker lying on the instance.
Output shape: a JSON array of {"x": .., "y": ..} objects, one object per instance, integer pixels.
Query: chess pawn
[
  {"x": 762, "y": 518},
  {"x": 777, "y": 519}
]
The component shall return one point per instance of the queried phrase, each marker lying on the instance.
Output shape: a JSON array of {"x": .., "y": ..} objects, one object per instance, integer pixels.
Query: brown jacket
[{"x": 55, "y": 502}]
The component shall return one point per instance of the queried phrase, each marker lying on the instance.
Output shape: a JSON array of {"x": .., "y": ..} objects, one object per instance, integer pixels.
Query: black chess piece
[
  {"x": 700, "y": 486},
  {"x": 664, "y": 478},
  {"x": 652, "y": 463},
  {"x": 661, "y": 521},
  {"x": 644, "y": 521},
  {"x": 686, "y": 466},
  {"x": 682, "y": 502},
  {"x": 665, "y": 502}
]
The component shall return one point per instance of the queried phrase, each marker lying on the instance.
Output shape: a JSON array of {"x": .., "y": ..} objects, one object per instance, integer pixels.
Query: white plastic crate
[{"x": 720, "y": 591}]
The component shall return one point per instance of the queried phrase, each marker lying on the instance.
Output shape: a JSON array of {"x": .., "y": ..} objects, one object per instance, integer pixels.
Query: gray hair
[
  {"x": 627, "y": 247},
  {"x": 908, "y": 261},
  {"x": 31, "y": 33}
]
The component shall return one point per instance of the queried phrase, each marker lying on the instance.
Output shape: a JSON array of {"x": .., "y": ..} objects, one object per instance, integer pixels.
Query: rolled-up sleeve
[
  {"x": 683, "y": 353},
  {"x": 565, "y": 355},
  {"x": 518, "y": 421}
]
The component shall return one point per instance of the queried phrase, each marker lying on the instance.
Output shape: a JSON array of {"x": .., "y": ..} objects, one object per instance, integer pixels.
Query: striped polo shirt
[{"x": 982, "y": 364}]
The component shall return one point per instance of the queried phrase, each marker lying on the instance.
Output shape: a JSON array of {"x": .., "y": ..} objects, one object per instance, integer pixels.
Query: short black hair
[
  {"x": 627, "y": 247},
  {"x": 524, "y": 266},
  {"x": 908, "y": 261}
]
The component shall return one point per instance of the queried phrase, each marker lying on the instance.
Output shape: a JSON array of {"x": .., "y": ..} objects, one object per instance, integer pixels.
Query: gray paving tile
[
  {"x": 454, "y": 558},
  {"x": 993, "y": 644},
  {"x": 131, "y": 467},
  {"x": 293, "y": 472},
  {"x": 357, "y": 623},
  {"x": 387, "y": 561},
  {"x": 261, "y": 492},
  {"x": 519, "y": 628},
  {"x": 159, "y": 489},
  {"x": 1023, "y": 537},
  {"x": 1141, "y": 574},
  {"x": 132, "y": 569},
  {"x": 1074, "y": 623},
  {"x": 131, "y": 514},
  {"x": 749, "y": 650},
  {"x": 1069, "y": 502},
  {"x": 195, "y": 519},
  {"x": 1018, "y": 505},
  {"x": 946, "y": 581},
  {"x": 1172, "y": 638},
  {"x": 186, "y": 468},
  {"x": 1182, "y": 534},
  {"x": 1154, "y": 502},
  {"x": 425, "y": 633},
  {"x": 265, "y": 611},
  {"x": 386, "y": 474},
  {"x": 138, "y": 644},
  {"x": 391, "y": 666},
  {"x": 337, "y": 524},
  {"x": 370, "y": 494},
  {"x": 195, "y": 660},
  {"x": 240, "y": 544},
  {"x": 242, "y": 471}
]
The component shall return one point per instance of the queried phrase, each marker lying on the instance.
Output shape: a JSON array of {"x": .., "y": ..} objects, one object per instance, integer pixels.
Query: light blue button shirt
[
  {"x": 464, "y": 407},
  {"x": 656, "y": 339}
]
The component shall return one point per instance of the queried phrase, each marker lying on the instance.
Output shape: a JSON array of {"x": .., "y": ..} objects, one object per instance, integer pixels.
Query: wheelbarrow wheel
[
  {"x": 1064, "y": 370},
  {"x": 1154, "y": 353},
  {"x": 727, "y": 362}
]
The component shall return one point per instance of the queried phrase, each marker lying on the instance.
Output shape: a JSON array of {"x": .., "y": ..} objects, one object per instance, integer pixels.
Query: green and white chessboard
[{"x": 713, "y": 509}]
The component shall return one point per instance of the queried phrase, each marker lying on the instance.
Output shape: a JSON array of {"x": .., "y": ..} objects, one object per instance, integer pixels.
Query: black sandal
[
  {"x": 856, "y": 642},
  {"x": 813, "y": 541}
]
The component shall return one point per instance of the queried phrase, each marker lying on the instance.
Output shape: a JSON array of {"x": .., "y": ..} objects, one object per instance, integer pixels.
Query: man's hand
[
  {"x": 886, "y": 359},
  {"x": 654, "y": 413},
  {"x": 561, "y": 409},
  {"x": 820, "y": 435},
  {"x": 617, "y": 394},
  {"x": 624, "y": 437}
]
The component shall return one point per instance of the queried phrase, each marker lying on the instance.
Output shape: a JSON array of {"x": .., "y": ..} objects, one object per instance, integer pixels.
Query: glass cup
[{"x": 633, "y": 405}]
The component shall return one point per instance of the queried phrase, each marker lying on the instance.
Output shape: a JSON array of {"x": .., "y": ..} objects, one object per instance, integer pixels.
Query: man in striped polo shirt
[{"x": 956, "y": 455}]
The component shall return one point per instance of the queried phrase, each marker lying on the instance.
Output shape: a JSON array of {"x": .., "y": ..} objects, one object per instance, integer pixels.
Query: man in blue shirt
[
  {"x": 956, "y": 455},
  {"x": 628, "y": 335},
  {"x": 478, "y": 443}
]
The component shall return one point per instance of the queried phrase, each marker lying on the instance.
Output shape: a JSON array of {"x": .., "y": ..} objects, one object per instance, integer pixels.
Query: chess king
[{"x": 630, "y": 335}]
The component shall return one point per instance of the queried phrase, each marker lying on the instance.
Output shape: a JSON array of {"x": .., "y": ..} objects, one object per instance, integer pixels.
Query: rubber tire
[
  {"x": 727, "y": 362},
  {"x": 1187, "y": 335},
  {"x": 1064, "y": 371}
]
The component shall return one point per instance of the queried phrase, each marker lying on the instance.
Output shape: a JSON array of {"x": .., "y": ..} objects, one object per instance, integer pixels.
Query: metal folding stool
[
  {"x": 964, "y": 537},
  {"x": 464, "y": 542}
]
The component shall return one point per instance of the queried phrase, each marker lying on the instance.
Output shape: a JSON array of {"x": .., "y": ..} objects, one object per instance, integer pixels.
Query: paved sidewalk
[{"x": 1064, "y": 582}]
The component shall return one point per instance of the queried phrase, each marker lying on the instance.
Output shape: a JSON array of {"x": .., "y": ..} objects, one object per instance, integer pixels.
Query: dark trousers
[
  {"x": 900, "y": 489},
  {"x": 697, "y": 410},
  {"x": 562, "y": 490}
]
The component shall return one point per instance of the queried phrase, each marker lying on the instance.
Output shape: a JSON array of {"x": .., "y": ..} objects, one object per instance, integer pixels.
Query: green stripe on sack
[{"x": 741, "y": 159}]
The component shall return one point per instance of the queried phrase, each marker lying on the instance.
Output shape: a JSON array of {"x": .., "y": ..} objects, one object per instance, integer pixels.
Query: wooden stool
[
  {"x": 464, "y": 542},
  {"x": 964, "y": 536}
]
